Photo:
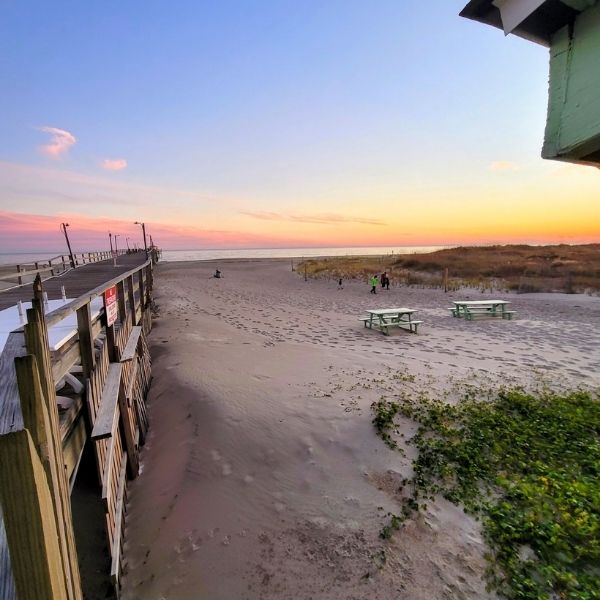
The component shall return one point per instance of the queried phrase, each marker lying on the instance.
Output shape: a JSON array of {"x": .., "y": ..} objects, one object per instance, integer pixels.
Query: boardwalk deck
[
  {"x": 92, "y": 355},
  {"x": 76, "y": 281}
]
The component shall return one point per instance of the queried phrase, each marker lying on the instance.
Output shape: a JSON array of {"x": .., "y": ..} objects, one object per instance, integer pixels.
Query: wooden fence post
[
  {"x": 19, "y": 278},
  {"x": 29, "y": 521},
  {"x": 121, "y": 301},
  {"x": 36, "y": 341},
  {"x": 142, "y": 290},
  {"x": 131, "y": 300},
  {"x": 149, "y": 283},
  {"x": 86, "y": 342}
]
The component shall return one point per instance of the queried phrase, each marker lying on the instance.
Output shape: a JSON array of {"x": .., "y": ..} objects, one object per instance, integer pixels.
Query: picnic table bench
[
  {"x": 384, "y": 318},
  {"x": 469, "y": 309}
]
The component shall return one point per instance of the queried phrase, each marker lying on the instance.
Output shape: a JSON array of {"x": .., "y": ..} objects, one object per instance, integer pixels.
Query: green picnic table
[
  {"x": 384, "y": 318},
  {"x": 470, "y": 309}
]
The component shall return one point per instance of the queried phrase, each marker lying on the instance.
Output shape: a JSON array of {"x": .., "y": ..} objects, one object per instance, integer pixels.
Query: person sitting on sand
[
  {"x": 217, "y": 274},
  {"x": 373, "y": 283}
]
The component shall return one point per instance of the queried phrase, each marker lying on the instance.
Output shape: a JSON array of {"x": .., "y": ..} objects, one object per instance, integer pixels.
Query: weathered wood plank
[
  {"x": 86, "y": 341},
  {"x": 129, "y": 351},
  {"x": 116, "y": 549},
  {"x": 129, "y": 428},
  {"x": 11, "y": 418},
  {"x": 7, "y": 582},
  {"x": 29, "y": 520},
  {"x": 106, "y": 476},
  {"x": 107, "y": 413},
  {"x": 36, "y": 338}
]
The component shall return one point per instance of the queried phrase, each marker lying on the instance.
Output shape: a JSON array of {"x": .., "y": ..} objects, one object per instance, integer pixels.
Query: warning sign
[{"x": 110, "y": 305}]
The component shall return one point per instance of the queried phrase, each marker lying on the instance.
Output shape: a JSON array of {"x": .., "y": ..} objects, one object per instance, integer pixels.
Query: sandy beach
[{"x": 263, "y": 476}]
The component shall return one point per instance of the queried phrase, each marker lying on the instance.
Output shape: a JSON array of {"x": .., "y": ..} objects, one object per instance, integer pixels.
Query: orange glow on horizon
[{"x": 39, "y": 231}]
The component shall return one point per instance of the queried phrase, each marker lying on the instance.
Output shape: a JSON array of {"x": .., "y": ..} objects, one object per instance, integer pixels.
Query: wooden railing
[
  {"x": 91, "y": 390},
  {"x": 26, "y": 272}
]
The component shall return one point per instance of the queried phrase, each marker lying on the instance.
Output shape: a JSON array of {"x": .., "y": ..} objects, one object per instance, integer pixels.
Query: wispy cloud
[
  {"x": 503, "y": 165},
  {"x": 34, "y": 231},
  {"x": 34, "y": 188},
  {"x": 320, "y": 219},
  {"x": 114, "y": 164},
  {"x": 60, "y": 142}
]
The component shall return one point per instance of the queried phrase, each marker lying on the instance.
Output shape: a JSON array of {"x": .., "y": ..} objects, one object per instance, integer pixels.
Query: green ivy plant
[{"x": 528, "y": 466}]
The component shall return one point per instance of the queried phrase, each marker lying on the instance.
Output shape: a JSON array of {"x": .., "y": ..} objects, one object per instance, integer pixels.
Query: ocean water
[
  {"x": 187, "y": 255},
  {"x": 20, "y": 258}
]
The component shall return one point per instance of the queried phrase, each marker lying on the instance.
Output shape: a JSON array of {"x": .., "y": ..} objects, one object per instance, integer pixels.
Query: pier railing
[
  {"x": 90, "y": 389},
  {"x": 26, "y": 272}
]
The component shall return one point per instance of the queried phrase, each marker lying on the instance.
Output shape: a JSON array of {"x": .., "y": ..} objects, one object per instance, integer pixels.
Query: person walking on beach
[
  {"x": 383, "y": 278},
  {"x": 373, "y": 282},
  {"x": 387, "y": 282},
  {"x": 340, "y": 284}
]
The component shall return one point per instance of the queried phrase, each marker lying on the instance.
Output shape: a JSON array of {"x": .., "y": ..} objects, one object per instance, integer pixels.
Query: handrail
[
  {"x": 54, "y": 317},
  {"x": 63, "y": 264}
]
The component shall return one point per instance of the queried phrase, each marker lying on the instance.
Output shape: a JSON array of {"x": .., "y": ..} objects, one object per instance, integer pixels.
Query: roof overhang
[{"x": 534, "y": 20}]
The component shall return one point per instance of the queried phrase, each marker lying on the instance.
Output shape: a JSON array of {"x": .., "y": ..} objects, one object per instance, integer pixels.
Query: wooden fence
[
  {"x": 91, "y": 390},
  {"x": 26, "y": 272}
]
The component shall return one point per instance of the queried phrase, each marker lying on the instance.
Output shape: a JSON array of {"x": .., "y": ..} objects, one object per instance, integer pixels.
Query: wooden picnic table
[
  {"x": 486, "y": 308},
  {"x": 384, "y": 318}
]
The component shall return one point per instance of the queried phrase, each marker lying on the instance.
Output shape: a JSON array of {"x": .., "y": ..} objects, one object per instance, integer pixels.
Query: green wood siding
[{"x": 573, "y": 126}]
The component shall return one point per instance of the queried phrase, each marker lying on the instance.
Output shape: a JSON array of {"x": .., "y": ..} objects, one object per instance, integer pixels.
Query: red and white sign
[{"x": 110, "y": 305}]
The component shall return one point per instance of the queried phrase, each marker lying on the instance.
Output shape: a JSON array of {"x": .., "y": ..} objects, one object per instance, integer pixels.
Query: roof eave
[{"x": 539, "y": 27}]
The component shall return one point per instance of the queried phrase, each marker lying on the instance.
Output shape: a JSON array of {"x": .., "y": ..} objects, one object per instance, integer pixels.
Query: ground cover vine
[{"x": 526, "y": 465}]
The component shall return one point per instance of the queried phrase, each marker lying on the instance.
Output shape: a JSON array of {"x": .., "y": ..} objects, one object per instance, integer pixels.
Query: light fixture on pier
[
  {"x": 64, "y": 229},
  {"x": 144, "y": 232}
]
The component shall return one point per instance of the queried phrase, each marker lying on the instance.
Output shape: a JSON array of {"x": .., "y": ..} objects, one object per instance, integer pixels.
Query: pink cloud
[
  {"x": 114, "y": 164},
  {"x": 59, "y": 144},
  {"x": 20, "y": 231}
]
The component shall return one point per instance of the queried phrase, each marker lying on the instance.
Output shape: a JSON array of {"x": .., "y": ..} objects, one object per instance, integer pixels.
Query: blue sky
[{"x": 263, "y": 107}]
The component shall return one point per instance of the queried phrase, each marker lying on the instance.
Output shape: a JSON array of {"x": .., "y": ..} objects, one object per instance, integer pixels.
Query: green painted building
[{"x": 571, "y": 30}]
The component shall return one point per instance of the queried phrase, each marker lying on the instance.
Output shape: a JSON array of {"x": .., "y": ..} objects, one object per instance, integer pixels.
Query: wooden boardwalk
[
  {"x": 76, "y": 281},
  {"x": 43, "y": 440}
]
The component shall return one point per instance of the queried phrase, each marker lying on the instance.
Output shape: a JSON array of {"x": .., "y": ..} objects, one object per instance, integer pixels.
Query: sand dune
[{"x": 263, "y": 477}]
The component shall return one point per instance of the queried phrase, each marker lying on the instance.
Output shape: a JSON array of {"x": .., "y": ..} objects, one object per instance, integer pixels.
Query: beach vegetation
[
  {"x": 385, "y": 411},
  {"x": 521, "y": 268},
  {"x": 527, "y": 465}
]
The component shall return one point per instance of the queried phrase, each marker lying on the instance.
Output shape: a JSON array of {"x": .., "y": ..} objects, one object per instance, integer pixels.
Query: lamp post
[
  {"x": 64, "y": 229},
  {"x": 112, "y": 252},
  {"x": 144, "y": 232},
  {"x": 116, "y": 247}
]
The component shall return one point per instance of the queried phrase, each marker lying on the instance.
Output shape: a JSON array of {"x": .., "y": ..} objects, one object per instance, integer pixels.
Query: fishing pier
[{"x": 73, "y": 375}]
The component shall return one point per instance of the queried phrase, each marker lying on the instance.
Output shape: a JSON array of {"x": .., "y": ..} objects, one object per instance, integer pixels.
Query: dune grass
[
  {"x": 514, "y": 267},
  {"x": 528, "y": 466}
]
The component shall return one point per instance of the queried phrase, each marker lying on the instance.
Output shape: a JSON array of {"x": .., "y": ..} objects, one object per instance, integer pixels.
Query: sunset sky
[{"x": 277, "y": 124}]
